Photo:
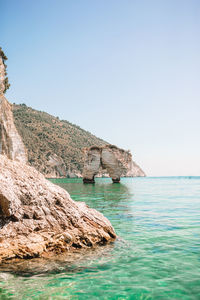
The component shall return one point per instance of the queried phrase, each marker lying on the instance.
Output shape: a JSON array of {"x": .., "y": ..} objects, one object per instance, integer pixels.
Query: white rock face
[
  {"x": 111, "y": 160},
  {"x": 11, "y": 143},
  {"x": 56, "y": 166},
  {"x": 133, "y": 170},
  {"x": 117, "y": 162},
  {"x": 92, "y": 163}
]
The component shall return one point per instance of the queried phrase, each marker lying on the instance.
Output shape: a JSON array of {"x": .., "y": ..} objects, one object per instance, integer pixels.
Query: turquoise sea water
[{"x": 157, "y": 254}]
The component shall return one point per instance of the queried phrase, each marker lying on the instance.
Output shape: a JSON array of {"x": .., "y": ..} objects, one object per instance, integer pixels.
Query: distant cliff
[{"x": 55, "y": 147}]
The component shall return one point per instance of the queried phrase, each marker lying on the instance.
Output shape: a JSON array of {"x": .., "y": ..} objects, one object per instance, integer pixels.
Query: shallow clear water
[{"x": 157, "y": 254}]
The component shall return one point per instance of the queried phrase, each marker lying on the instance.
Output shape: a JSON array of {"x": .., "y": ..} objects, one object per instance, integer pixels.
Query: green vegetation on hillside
[{"x": 44, "y": 135}]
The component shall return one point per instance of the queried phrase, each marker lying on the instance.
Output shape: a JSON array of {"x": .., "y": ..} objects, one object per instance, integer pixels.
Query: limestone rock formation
[
  {"x": 38, "y": 218},
  {"x": 10, "y": 141},
  {"x": 44, "y": 136},
  {"x": 133, "y": 170},
  {"x": 92, "y": 163},
  {"x": 55, "y": 167},
  {"x": 73, "y": 173},
  {"x": 116, "y": 161}
]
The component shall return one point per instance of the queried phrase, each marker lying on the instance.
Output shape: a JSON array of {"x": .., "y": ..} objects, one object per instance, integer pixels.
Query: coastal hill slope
[{"x": 54, "y": 146}]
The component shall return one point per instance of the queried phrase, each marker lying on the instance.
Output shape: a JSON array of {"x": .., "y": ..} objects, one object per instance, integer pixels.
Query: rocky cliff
[
  {"x": 10, "y": 141},
  {"x": 38, "y": 218},
  {"x": 54, "y": 146},
  {"x": 114, "y": 161}
]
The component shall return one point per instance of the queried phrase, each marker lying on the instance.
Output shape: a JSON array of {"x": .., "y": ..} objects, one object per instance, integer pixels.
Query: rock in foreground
[{"x": 39, "y": 218}]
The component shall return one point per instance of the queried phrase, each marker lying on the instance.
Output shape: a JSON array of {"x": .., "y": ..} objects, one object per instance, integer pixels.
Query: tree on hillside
[{"x": 6, "y": 82}]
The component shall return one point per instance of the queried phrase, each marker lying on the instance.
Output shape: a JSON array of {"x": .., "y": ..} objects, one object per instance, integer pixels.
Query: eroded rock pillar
[
  {"x": 111, "y": 162},
  {"x": 92, "y": 161}
]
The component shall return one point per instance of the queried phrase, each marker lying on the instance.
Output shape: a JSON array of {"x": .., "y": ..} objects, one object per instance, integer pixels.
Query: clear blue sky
[{"x": 127, "y": 71}]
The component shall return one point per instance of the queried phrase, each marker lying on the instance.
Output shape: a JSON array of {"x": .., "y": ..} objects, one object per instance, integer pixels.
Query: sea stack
[{"x": 116, "y": 161}]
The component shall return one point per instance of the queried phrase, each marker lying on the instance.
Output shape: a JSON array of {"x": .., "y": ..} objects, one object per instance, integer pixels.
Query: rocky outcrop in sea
[{"x": 110, "y": 160}]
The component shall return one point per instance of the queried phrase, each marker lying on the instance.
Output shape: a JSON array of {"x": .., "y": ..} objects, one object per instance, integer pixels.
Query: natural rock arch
[{"x": 116, "y": 161}]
